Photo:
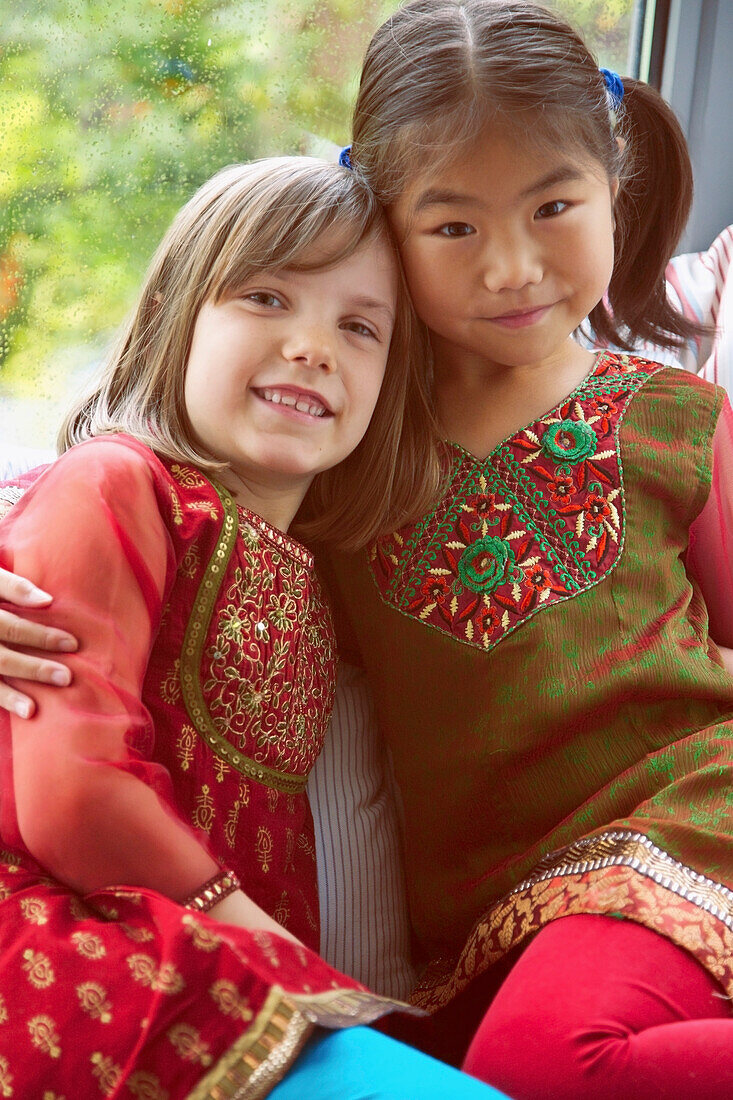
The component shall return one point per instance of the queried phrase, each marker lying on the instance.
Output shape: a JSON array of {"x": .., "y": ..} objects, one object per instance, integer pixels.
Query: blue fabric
[{"x": 360, "y": 1064}]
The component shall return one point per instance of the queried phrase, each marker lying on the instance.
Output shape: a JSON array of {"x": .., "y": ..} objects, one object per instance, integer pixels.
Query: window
[{"x": 110, "y": 116}]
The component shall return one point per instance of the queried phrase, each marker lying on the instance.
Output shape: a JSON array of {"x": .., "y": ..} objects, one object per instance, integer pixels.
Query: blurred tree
[{"x": 110, "y": 116}]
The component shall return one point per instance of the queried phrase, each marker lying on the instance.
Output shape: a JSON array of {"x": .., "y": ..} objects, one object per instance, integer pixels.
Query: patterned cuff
[{"x": 213, "y": 891}]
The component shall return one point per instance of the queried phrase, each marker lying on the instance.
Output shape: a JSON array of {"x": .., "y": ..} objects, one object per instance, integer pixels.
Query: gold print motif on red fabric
[
  {"x": 34, "y": 910},
  {"x": 539, "y": 521},
  {"x": 6, "y": 1078},
  {"x": 165, "y": 979},
  {"x": 94, "y": 1001},
  {"x": 44, "y": 1035},
  {"x": 146, "y": 1086},
  {"x": 108, "y": 1074},
  {"x": 189, "y": 1045},
  {"x": 3, "y": 1010},
  {"x": 38, "y": 968},
  {"x": 228, "y": 1000}
]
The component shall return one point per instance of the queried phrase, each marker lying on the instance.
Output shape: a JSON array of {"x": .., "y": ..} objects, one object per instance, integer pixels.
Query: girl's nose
[
  {"x": 311, "y": 346},
  {"x": 511, "y": 265}
]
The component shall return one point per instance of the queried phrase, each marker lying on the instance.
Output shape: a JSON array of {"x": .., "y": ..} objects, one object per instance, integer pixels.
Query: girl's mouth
[
  {"x": 296, "y": 401},
  {"x": 521, "y": 318}
]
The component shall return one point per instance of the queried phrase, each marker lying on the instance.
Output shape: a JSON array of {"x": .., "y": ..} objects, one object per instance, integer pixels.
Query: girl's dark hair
[{"x": 439, "y": 71}]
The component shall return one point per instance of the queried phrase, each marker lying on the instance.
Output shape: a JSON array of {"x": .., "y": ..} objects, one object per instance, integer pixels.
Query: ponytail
[{"x": 651, "y": 211}]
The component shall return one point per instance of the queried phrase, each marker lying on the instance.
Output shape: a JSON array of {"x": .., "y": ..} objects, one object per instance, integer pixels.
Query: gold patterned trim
[
  {"x": 561, "y": 884},
  {"x": 627, "y": 849},
  {"x": 193, "y": 646},
  {"x": 260, "y": 1058}
]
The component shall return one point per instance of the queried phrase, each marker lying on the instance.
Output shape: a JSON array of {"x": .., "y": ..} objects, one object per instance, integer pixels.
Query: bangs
[
  {"x": 431, "y": 144},
  {"x": 316, "y": 221}
]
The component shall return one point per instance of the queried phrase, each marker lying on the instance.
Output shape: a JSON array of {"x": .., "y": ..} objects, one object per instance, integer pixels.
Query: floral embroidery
[
  {"x": 541, "y": 520},
  {"x": 570, "y": 441},
  {"x": 486, "y": 564}
]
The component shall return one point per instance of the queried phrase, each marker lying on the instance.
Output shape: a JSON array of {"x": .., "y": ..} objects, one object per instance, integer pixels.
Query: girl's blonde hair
[
  {"x": 285, "y": 212},
  {"x": 438, "y": 72}
]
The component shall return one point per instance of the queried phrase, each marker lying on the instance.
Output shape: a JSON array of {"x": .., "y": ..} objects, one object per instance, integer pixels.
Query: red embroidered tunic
[
  {"x": 201, "y": 694},
  {"x": 559, "y": 719}
]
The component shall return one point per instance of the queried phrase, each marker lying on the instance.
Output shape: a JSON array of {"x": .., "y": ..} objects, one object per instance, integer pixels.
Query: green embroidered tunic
[{"x": 559, "y": 720}]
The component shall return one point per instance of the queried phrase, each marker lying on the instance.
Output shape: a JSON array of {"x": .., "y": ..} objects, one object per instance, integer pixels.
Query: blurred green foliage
[{"x": 111, "y": 115}]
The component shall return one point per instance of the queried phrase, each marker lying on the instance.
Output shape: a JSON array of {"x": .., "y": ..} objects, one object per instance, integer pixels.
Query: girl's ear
[{"x": 615, "y": 183}]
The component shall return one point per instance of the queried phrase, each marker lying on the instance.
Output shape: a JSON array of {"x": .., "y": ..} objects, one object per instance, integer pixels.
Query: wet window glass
[{"x": 110, "y": 117}]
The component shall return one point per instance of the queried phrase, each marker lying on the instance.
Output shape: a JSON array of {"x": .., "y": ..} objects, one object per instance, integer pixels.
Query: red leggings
[{"x": 605, "y": 1008}]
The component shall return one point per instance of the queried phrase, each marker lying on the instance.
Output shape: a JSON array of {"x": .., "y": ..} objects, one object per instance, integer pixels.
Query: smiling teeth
[{"x": 298, "y": 403}]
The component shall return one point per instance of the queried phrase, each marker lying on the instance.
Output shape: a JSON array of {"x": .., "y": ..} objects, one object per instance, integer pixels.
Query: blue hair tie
[
  {"x": 614, "y": 85},
  {"x": 345, "y": 157}
]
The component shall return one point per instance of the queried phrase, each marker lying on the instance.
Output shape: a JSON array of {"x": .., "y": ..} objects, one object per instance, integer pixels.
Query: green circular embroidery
[
  {"x": 570, "y": 441},
  {"x": 483, "y": 566}
]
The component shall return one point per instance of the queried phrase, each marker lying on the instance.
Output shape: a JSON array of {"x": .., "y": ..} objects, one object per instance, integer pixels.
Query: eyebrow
[
  {"x": 363, "y": 302},
  {"x": 565, "y": 173}
]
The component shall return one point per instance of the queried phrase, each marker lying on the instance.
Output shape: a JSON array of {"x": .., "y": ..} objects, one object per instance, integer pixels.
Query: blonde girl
[{"x": 158, "y": 907}]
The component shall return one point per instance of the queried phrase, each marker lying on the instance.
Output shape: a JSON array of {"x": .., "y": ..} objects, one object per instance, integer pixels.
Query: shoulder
[{"x": 661, "y": 380}]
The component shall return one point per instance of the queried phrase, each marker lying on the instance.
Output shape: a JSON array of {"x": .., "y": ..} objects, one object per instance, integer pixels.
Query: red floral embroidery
[{"x": 539, "y": 521}]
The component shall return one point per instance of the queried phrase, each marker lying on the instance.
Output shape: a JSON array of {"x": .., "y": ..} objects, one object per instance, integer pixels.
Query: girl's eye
[
  {"x": 456, "y": 229},
  {"x": 262, "y": 298},
  {"x": 360, "y": 329},
  {"x": 551, "y": 209}
]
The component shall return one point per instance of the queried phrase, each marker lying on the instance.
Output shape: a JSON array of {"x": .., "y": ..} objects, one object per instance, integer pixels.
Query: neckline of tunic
[{"x": 599, "y": 360}]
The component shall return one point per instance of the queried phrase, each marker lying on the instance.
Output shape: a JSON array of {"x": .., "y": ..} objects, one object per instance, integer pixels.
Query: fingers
[
  {"x": 15, "y": 702},
  {"x": 19, "y": 591},
  {"x": 20, "y": 632}
]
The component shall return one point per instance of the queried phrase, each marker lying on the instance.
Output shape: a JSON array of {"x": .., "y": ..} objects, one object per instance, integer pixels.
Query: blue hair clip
[
  {"x": 345, "y": 158},
  {"x": 614, "y": 85}
]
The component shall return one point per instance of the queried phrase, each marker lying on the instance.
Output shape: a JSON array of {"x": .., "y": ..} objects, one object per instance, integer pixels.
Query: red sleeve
[
  {"x": 710, "y": 555},
  {"x": 90, "y": 806}
]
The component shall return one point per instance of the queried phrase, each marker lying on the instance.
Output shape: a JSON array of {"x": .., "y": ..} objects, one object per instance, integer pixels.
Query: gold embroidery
[
  {"x": 304, "y": 843},
  {"x": 6, "y": 1078},
  {"x": 38, "y": 968},
  {"x": 282, "y": 910},
  {"x": 176, "y": 507},
  {"x": 204, "y": 939},
  {"x": 108, "y": 1074},
  {"x": 187, "y": 476},
  {"x": 190, "y": 562},
  {"x": 93, "y": 1000},
  {"x": 265, "y": 942},
  {"x": 202, "y": 506},
  {"x": 137, "y": 935},
  {"x": 264, "y": 848},
  {"x": 88, "y": 945},
  {"x": 52, "y": 1096},
  {"x": 250, "y": 672},
  {"x": 78, "y": 910},
  {"x": 34, "y": 910},
  {"x": 230, "y": 826},
  {"x": 44, "y": 1035},
  {"x": 146, "y": 1086},
  {"x": 619, "y": 872},
  {"x": 227, "y": 999},
  {"x": 5, "y": 891},
  {"x": 221, "y": 769},
  {"x": 189, "y": 1045},
  {"x": 3, "y": 1010},
  {"x": 170, "y": 688},
  {"x": 272, "y": 799},
  {"x": 165, "y": 979},
  {"x": 203, "y": 816},
  {"x": 185, "y": 746},
  {"x": 289, "y": 865}
]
